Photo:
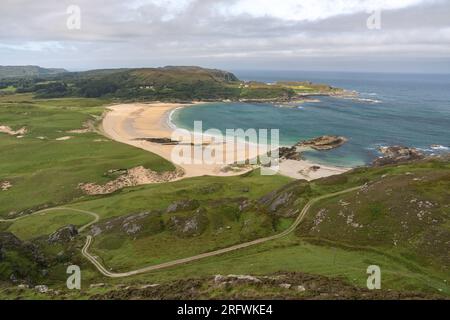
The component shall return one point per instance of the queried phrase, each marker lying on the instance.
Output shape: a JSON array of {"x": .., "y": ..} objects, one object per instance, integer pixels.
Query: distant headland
[{"x": 170, "y": 84}]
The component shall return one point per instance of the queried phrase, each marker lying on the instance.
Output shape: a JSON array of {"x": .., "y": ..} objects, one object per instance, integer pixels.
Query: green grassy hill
[
  {"x": 163, "y": 84},
  {"x": 399, "y": 231},
  {"x": 404, "y": 212},
  {"x": 45, "y": 171},
  {"x": 27, "y": 71}
]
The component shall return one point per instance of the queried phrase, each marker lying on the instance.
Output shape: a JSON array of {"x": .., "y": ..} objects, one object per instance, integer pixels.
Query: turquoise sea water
[{"x": 410, "y": 110}]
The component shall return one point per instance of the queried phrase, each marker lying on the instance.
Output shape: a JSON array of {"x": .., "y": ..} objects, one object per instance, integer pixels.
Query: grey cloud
[{"x": 114, "y": 35}]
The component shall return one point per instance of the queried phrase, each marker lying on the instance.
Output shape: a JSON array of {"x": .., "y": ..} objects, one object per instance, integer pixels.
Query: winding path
[
  {"x": 93, "y": 214},
  {"x": 173, "y": 263}
]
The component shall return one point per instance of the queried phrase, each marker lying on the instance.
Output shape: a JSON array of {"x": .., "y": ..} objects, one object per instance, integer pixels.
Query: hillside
[
  {"x": 405, "y": 232},
  {"x": 27, "y": 71},
  {"x": 169, "y": 83}
]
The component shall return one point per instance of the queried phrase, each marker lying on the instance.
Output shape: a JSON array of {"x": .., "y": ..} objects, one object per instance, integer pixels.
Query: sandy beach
[{"x": 130, "y": 123}]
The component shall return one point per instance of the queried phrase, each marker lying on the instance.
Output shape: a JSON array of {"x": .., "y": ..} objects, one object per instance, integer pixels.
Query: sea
[{"x": 391, "y": 109}]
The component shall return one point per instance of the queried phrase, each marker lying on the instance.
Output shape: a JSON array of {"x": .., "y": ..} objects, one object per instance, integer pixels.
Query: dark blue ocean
[{"x": 393, "y": 109}]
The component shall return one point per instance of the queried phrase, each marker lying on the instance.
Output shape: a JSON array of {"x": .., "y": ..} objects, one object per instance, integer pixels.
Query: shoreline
[{"x": 127, "y": 123}]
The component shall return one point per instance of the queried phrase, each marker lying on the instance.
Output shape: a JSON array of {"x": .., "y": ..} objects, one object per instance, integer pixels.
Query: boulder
[
  {"x": 41, "y": 288},
  {"x": 323, "y": 142},
  {"x": 397, "y": 154}
]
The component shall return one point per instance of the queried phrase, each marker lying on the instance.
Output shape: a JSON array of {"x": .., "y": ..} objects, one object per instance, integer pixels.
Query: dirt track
[{"x": 173, "y": 263}]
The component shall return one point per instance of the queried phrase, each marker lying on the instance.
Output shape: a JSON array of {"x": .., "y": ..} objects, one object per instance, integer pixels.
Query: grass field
[
  {"x": 46, "y": 223},
  {"x": 292, "y": 254},
  {"x": 46, "y": 172}
]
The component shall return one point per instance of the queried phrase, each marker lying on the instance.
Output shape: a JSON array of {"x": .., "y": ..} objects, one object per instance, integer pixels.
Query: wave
[
  {"x": 364, "y": 100},
  {"x": 439, "y": 147},
  {"x": 368, "y": 100},
  {"x": 170, "y": 122}
]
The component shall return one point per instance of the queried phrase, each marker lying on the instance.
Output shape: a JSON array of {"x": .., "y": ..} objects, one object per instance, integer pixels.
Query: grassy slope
[
  {"x": 46, "y": 223},
  {"x": 225, "y": 226},
  {"x": 401, "y": 269},
  {"x": 47, "y": 172},
  {"x": 334, "y": 255}
]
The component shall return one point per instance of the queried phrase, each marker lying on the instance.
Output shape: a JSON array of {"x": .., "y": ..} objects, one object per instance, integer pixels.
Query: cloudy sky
[{"x": 410, "y": 36}]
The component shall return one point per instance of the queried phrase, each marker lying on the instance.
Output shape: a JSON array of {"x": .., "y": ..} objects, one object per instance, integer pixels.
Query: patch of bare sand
[
  {"x": 21, "y": 132},
  {"x": 303, "y": 169},
  {"x": 133, "y": 177},
  {"x": 5, "y": 185},
  {"x": 64, "y": 138}
]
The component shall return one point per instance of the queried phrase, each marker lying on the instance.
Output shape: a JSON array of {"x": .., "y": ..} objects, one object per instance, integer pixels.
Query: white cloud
[{"x": 311, "y": 10}]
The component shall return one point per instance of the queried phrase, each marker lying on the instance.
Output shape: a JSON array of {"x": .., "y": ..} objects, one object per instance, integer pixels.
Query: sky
[{"x": 323, "y": 35}]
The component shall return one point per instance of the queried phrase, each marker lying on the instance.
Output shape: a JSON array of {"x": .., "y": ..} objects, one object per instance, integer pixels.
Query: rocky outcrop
[
  {"x": 397, "y": 154},
  {"x": 286, "y": 201},
  {"x": 131, "y": 178},
  {"x": 290, "y": 153},
  {"x": 183, "y": 205},
  {"x": 288, "y": 286},
  {"x": 132, "y": 225},
  {"x": 63, "y": 235},
  {"x": 191, "y": 226},
  {"x": 324, "y": 142}
]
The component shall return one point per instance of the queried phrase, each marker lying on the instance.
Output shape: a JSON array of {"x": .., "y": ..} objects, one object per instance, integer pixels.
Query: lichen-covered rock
[
  {"x": 183, "y": 205},
  {"x": 191, "y": 226},
  {"x": 63, "y": 235},
  {"x": 132, "y": 225},
  {"x": 286, "y": 201}
]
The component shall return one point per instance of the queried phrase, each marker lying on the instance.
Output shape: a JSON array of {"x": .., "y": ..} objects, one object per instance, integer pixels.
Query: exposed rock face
[
  {"x": 183, "y": 205},
  {"x": 65, "y": 234},
  {"x": 397, "y": 154},
  {"x": 290, "y": 153},
  {"x": 132, "y": 225},
  {"x": 241, "y": 287},
  {"x": 133, "y": 177},
  {"x": 286, "y": 201},
  {"x": 324, "y": 142},
  {"x": 233, "y": 278},
  {"x": 189, "y": 226}
]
